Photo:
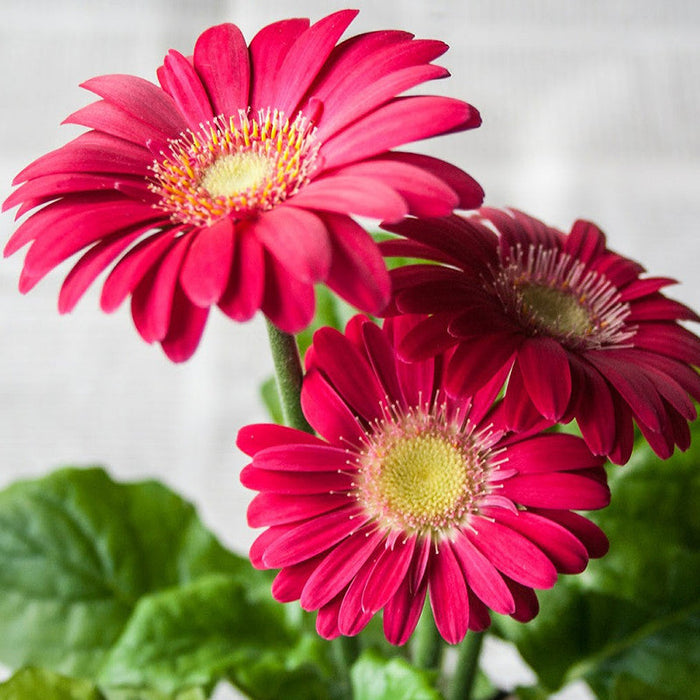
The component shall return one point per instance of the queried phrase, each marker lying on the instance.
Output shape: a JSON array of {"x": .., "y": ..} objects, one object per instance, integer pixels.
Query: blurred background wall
[{"x": 590, "y": 109}]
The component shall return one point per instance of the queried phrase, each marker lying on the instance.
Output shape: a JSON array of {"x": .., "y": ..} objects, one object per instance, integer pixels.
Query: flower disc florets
[
  {"x": 552, "y": 294},
  {"x": 422, "y": 474},
  {"x": 235, "y": 167}
]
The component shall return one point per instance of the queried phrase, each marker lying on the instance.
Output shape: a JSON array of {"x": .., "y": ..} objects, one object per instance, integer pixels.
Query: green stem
[
  {"x": 285, "y": 357},
  {"x": 467, "y": 666},
  {"x": 427, "y": 644}
]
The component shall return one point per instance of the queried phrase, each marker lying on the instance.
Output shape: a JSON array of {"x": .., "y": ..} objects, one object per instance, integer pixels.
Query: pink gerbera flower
[
  {"x": 232, "y": 182},
  {"x": 408, "y": 493},
  {"x": 580, "y": 333}
]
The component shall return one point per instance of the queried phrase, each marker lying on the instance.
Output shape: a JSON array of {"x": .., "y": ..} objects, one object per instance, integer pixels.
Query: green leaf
[
  {"x": 40, "y": 684},
  {"x": 149, "y": 694},
  {"x": 271, "y": 400},
  {"x": 634, "y": 614},
  {"x": 78, "y": 552},
  {"x": 376, "y": 678},
  {"x": 209, "y": 629}
]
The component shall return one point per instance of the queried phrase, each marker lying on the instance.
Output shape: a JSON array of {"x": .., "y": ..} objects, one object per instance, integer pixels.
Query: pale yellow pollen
[
  {"x": 422, "y": 477},
  {"x": 231, "y": 174},
  {"x": 559, "y": 312}
]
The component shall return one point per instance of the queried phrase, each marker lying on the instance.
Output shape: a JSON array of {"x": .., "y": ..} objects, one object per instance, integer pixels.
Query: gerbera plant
[
  {"x": 419, "y": 489},
  {"x": 232, "y": 182},
  {"x": 577, "y": 329}
]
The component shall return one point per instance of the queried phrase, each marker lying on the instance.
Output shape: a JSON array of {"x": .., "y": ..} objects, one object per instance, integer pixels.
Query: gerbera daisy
[
  {"x": 408, "y": 493},
  {"x": 581, "y": 333},
  {"x": 231, "y": 184}
]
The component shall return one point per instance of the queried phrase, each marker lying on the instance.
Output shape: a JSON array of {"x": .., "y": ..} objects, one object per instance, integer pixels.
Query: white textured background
[{"x": 590, "y": 108}]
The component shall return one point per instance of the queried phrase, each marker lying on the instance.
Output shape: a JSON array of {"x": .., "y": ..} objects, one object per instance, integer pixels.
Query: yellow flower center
[
  {"x": 235, "y": 166},
  {"x": 421, "y": 474},
  {"x": 556, "y": 311}
]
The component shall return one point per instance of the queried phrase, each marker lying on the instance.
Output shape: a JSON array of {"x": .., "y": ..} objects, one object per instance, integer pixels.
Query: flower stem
[
  {"x": 467, "y": 666},
  {"x": 427, "y": 645},
  {"x": 285, "y": 357}
]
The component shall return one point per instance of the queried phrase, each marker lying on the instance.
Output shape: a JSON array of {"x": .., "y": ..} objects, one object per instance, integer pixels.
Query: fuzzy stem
[
  {"x": 467, "y": 666},
  {"x": 288, "y": 372}
]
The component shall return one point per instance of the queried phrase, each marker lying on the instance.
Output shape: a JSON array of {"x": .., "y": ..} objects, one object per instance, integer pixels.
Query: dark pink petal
[
  {"x": 427, "y": 339},
  {"x": 511, "y": 553},
  {"x": 402, "y": 612},
  {"x": 90, "y": 265},
  {"x": 448, "y": 594},
  {"x": 287, "y": 301},
  {"x": 387, "y": 574},
  {"x": 327, "y": 413},
  {"x": 634, "y": 387},
  {"x": 327, "y": 619},
  {"x": 544, "y": 365},
  {"x": 131, "y": 269},
  {"x": 293, "y": 483},
  {"x": 564, "y": 550},
  {"x": 425, "y": 194},
  {"x": 475, "y": 363},
  {"x": 206, "y": 268},
  {"x": 221, "y": 60},
  {"x": 482, "y": 315},
  {"x": 47, "y": 187},
  {"x": 289, "y": 582},
  {"x": 140, "y": 98},
  {"x": 551, "y": 452},
  {"x": 279, "y": 509},
  {"x": 656, "y": 307},
  {"x": 185, "y": 87},
  {"x": 363, "y": 196},
  {"x": 349, "y": 373},
  {"x": 244, "y": 293},
  {"x": 585, "y": 242},
  {"x": 468, "y": 244},
  {"x": 262, "y": 542},
  {"x": 402, "y": 120},
  {"x": 259, "y": 436},
  {"x": 469, "y": 191},
  {"x": 436, "y": 296},
  {"x": 383, "y": 359},
  {"x": 685, "y": 376},
  {"x": 79, "y": 227},
  {"x": 479, "y": 618},
  {"x": 360, "y": 100},
  {"x": 593, "y": 407},
  {"x": 113, "y": 120},
  {"x": 526, "y": 605},
  {"x": 618, "y": 270},
  {"x": 303, "y": 458},
  {"x": 358, "y": 273},
  {"x": 669, "y": 339},
  {"x": 557, "y": 490},
  {"x": 93, "y": 152},
  {"x": 152, "y": 300},
  {"x": 186, "y": 327},
  {"x": 624, "y": 432},
  {"x": 482, "y": 577},
  {"x": 592, "y": 537},
  {"x": 340, "y": 566},
  {"x": 313, "y": 537},
  {"x": 643, "y": 287},
  {"x": 519, "y": 411},
  {"x": 306, "y": 57},
  {"x": 347, "y": 55},
  {"x": 353, "y": 616},
  {"x": 267, "y": 52},
  {"x": 298, "y": 240}
]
